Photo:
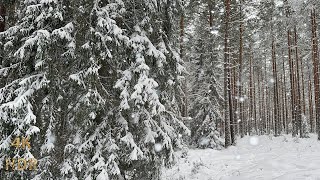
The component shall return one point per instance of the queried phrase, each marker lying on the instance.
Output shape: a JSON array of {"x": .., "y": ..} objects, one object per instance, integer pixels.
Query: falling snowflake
[
  {"x": 241, "y": 99},
  {"x": 170, "y": 82},
  {"x": 158, "y": 147},
  {"x": 214, "y": 32},
  {"x": 204, "y": 141},
  {"x": 254, "y": 141},
  {"x": 92, "y": 115},
  {"x": 272, "y": 80}
]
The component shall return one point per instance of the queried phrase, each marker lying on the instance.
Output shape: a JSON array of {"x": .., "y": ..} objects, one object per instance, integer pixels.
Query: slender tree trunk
[
  {"x": 265, "y": 89},
  {"x": 311, "y": 106},
  {"x": 233, "y": 101},
  {"x": 291, "y": 71},
  {"x": 240, "y": 73},
  {"x": 281, "y": 102},
  {"x": 254, "y": 103},
  {"x": 315, "y": 59},
  {"x": 250, "y": 96},
  {"x": 298, "y": 91},
  {"x": 303, "y": 103},
  {"x": 275, "y": 92},
  {"x": 227, "y": 78},
  {"x": 269, "y": 113},
  {"x": 285, "y": 108},
  {"x": 264, "y": 104},
  {"x": 181, "y": 34},
  {"x": 292, "y": 86},
  {"x": 248, "y": 111},
  {"x": 245, "y": 112},
  {"x": 260, "y": 92}
]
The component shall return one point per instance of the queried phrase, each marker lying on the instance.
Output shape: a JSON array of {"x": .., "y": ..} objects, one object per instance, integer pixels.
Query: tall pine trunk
[
  {"x": 285, "y": 103},
  {"x": 275, "y": 92},
  {"x": 292, "y": 85},
  {"x": 291, "y": 72},
  {"x": 227, "y": 78},
  {"x": 298, "y": 91},
  {"x": 233, "y": 127},
  {"x": 241, "y": 117},
  {"x": 315, "y": 59},
  {"x": 251, "y": 110},
  {"x": 310, "y": 101}
]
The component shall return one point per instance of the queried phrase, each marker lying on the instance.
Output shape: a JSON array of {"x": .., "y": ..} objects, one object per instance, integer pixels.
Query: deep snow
[{"x": 254, "y": 158}]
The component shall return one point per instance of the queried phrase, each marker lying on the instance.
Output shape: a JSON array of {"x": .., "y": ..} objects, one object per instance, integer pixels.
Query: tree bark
[
  {"x": 251, "y": 110},
  {"x": 298, "y": 91},
  {"x": 285, "y": 108},
  {"x": 315, "y": 59},
  {"x": 234, "y": 106},
  {"x": 275, "y": 92},
  {"x": 311, "y": 105},
  {"x": 292, "y": 72},
  {"x": 241, "y": 117},
  {"x": 227, "y": 78}
]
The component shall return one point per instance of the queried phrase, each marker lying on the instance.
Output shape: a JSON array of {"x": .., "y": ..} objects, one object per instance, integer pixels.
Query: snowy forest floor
[{"x": 254, "y": 158}]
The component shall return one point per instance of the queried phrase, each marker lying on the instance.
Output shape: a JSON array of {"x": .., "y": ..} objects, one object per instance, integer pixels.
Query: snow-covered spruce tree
[
  {"x": 204, "y": 65},
  {"x": 92, "y": 148},
  {"x": 33, "y": 47},
  {"x": 64, "y": 60},
  {"x": 137, "y": 134},
  {"x": 148, "y": 86}
]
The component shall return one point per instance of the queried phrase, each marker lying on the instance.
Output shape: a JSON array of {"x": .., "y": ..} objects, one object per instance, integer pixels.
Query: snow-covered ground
[{"x": 254, "y": 158}]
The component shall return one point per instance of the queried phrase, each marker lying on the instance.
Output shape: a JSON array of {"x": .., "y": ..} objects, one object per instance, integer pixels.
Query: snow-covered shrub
[
  {"x": 284, "y": 138},
  {"x": 253, "y": 131},
  {"x": 207, "y": 136},
  {"x": 271, "y": 135},
  {"x": 184, "y": 152},
  {"x": 88, "y": 81},
  {"x": 196, "y": 166}
]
